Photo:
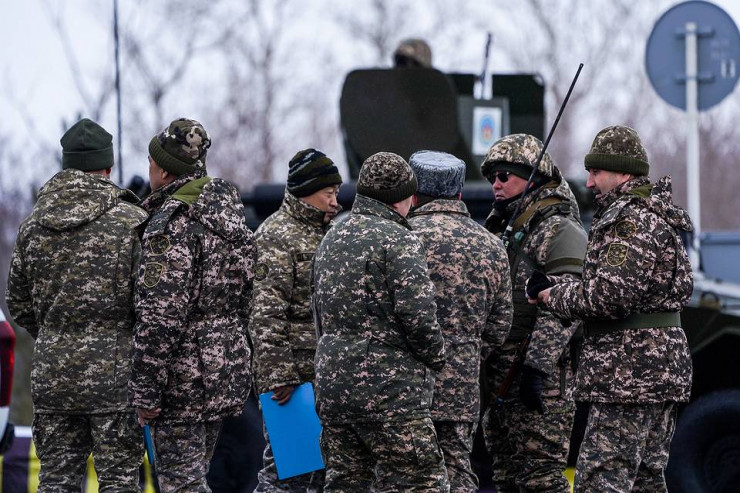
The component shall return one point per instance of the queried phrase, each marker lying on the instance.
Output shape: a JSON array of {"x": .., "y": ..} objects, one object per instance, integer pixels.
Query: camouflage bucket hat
[
  {"x": 516, "y": 153},
  {"x": 618, "y": 148},
  {"x": 386, "y": 177},
  {"x": 181, "y": 147},
  {"x": 413, "y": 49}
]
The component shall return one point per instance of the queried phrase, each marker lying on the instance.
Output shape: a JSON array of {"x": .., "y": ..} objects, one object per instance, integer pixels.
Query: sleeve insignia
[
  {"x": 260, "y": 271},
  {"x": 616, "y": 254},
  {"x": 625, "y": 229},
  {"x": 159, "y": 244},
  {"x": 152, "y": 274}
]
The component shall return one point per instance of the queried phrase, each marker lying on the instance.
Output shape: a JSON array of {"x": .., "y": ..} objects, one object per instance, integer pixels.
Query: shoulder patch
[
  {"x": 625, "y": 229},
  {"x": 260, "y": 271},
  {"x": 152, "y": 274},
  {"x": 159, "y": 244},
  {"x": 616, "y": 254}
]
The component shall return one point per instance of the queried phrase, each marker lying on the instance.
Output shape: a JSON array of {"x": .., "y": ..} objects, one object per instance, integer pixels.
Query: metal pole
[
  {"x": 118, "y": 92},
  {"x": 693, "y": 190}
]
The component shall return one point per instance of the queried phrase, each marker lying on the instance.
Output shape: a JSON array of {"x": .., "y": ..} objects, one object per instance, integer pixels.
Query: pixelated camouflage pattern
[
  {"x": 517, "y": 148},
  {"x": 625, "y": 447},
  {"x": 282, "y": 328},
  {"x": 65, "y": 441},
  {"x": 653, "y": 274},
  {"x": 455, "y": 438},
  {"x": 470, "y": 271},
  {"x": 191, "y": 353},
  {"x": 71, "y": 287},
  {"x": 415, "y": 49},
  {"x": 268, "y": 481},
  {"x": 386, "y": 177},
  {"x": 399, "y": 456},
  {"x": 619, "y": 140},
  {"x": 379, "y": 343},
  {"x": 186, "y": 139},
  {"x": 554, "y": 244},
  {"x": 529, "y": 450},
  {"x": 184, "y": 452}
]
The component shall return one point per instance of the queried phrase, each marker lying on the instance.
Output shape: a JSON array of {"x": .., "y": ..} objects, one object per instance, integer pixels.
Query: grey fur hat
[{"x": 439, "y": 174}]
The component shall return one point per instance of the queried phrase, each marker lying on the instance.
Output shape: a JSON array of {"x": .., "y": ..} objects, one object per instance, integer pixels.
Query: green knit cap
[
  {"x": 181, "y": 147},
  {"x": 386, "y": 177},
  {"x": 618, "y": 148},
  {"x": 87, "y": 146}
]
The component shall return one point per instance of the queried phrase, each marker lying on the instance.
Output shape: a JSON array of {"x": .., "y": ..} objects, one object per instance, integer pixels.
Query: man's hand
[
  {"x": 537, "y": 282},
  {"x": 543, "y": 297},
  {"x": 282, "y": 394},
  {"x": 530, "y": 389},
  {"x": 146, "y": 414}
]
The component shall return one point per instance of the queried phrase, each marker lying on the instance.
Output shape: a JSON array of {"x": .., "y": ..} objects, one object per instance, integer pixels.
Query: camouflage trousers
[
  {"x": 64, "y": 442},
  {"x": 456, "y": 441},
  {"x": 184, "y": 452},
  {"x": 385, "y": 457},
  {"x": 529, "y": 450},
  {"x": 268, "y": 479},
  {"x": 625, "y": 448}
]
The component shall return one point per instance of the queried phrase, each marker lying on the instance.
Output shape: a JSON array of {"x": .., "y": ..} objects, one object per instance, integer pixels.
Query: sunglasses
[{"x": 502, "y": 176}]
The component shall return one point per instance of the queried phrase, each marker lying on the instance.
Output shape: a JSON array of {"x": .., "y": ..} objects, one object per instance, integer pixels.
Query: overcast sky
[{"x": 35, "y": 76}]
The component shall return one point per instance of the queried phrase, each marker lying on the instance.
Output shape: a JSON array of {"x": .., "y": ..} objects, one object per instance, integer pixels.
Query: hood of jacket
[
  {"x": 657, "y": 197},
  {"x": 216, "y": 204},
  {"x": 72, "y": 198}
]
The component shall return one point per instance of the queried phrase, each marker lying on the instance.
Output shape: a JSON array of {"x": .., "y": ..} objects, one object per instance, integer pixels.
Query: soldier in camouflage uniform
[
  {"x": 379, "y": 342},
  {"x": 282, "y": 326},
  {"x": 71, "y": 286},
  {"x": 191, "y": 352},
  {"x": 636, "y": 363},
  {"x": 470, "y": 271},
  {"x": 527, "y": 431}
]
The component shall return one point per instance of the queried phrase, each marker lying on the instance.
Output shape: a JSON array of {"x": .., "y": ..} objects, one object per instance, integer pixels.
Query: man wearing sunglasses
[{"x": 527, "y": 427}]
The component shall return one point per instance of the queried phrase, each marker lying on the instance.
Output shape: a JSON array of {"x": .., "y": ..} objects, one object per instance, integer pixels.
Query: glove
[
  {"x": 530, "y": 389},
  {"x": 536, "y": 283}
]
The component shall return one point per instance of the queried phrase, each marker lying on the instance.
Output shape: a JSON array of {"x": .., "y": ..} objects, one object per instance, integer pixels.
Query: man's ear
[{"x": 414, "y": 200}]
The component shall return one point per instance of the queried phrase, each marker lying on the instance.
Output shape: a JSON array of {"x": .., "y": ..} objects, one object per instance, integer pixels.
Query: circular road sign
[{"x": 718, "y": 53}]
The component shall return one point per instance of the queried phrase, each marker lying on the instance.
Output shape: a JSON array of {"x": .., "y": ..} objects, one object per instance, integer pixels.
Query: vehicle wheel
[{"x": 705, "y": 451}]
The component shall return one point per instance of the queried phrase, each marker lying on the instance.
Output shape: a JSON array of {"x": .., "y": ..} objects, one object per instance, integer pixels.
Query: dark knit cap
[
  {"x": 310, "y": 171},
  {"x": 87, "y": 146},
  {"x": 181, "y": 147},
  {"x": 618, "y": 148},
  {"x": 386, "y": 177},
  {"x": 439, "y": 174}
]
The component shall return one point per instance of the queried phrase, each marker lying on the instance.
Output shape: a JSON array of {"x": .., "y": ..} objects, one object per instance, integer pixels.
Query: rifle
[
  {"x": 510, "y": 226},
  {"x": 521, "y": 350},
  {"x": 151, "y": 455}
]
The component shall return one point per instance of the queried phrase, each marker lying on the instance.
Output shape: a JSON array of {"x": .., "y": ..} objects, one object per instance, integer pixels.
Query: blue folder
[{"x": 294, "y": 430}]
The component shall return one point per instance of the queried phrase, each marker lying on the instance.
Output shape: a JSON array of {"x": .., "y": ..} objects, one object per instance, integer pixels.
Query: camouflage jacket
[
  {"x": 191, "y": 351},
  {"x": 71, "y": 286},
  {"x": 469, "y": 269},
  {"x": 636, "y": 263},
  {"x": 379, "y": 341},
  {"x": 556, "y": 245},
  {"x": 281, "y": 326}
]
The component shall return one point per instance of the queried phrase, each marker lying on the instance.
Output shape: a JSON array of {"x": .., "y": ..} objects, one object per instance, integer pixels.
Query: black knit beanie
[
  {"x": 310, "y": 171},
  {"x": 87, "y": 146}
]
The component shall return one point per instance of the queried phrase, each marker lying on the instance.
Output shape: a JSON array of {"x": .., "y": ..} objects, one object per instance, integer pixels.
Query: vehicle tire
[{"x": 705, "y": 451}]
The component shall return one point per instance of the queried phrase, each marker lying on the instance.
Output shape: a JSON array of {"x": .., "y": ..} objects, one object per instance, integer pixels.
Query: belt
[{"x": 635, "y": 321}]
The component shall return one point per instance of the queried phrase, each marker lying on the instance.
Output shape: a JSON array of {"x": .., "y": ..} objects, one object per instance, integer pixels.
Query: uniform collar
[
  {"x": 366, "y": 205},
  {"x": 441, "y": 206},
  {"x": 302, "y": 211}
]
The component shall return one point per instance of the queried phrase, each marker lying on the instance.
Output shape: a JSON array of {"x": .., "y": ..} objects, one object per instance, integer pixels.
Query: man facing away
[
  {"x": 281, "y": 325},
  {"x": 191, "y": 351},
  {"x": 527, "y": 430},
  {"x": 470, "y": 271},
  {"x": 71, "y": 286},
  {"x": 379, "y": 342},
  {"x": 635, "y": 367}
]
